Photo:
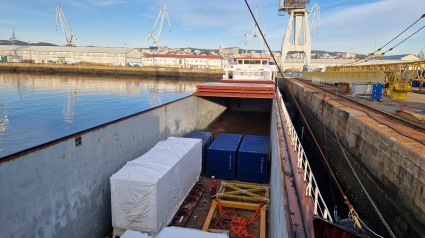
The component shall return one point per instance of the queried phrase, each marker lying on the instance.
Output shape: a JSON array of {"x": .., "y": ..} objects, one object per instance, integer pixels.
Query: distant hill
[{"x": 18, "y": 42}]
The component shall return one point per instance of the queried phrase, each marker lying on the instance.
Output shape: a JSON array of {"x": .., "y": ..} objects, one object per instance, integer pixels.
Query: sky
[{"x": 345, "y": 25}]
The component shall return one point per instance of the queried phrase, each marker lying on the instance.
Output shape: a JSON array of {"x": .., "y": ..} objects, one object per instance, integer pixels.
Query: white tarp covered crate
[{"x": 147, "y": 191}]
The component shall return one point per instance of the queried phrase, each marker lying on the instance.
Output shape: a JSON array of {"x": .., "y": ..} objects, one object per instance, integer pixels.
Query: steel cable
[
  {"x": 367, "y": 58},
  {"x": 346, "y": 201}
]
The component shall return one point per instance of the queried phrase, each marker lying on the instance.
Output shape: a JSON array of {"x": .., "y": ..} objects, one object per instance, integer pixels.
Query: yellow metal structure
[
  {"x": 398, "y": 75},
  {"x": 244, "y": 191},
  {"x": 238, "y": 205}
]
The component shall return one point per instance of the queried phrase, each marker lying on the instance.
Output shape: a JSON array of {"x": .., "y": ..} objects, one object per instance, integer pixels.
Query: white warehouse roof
[{"x": 79, "y": 49}]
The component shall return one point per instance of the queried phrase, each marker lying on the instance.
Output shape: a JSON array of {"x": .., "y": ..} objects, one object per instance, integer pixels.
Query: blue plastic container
[
  {"x": 207, "y": 139},
  {"x": 253, "y": 159},
  {"x": 377, "y": 89},
  {"x": 221, "y": 162}
]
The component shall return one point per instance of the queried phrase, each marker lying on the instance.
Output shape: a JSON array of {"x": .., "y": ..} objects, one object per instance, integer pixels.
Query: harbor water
[{"x": 35, "y": 109}]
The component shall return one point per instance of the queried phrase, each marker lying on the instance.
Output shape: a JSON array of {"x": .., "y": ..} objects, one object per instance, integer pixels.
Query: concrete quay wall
[
  {"x": 390, "y": 165},
  {"x": 92, "y": 70},
  {"x": 62, "y": 188}
]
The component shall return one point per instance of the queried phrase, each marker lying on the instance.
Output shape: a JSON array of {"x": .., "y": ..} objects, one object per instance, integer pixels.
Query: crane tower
[
  {"x": 64, "y": 23},
  {"x": 299, "y": 27},
  {"x": 163, "y": 12}
]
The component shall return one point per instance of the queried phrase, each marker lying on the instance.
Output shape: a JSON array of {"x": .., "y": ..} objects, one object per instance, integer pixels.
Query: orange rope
[{"x": 238, "y": 224}]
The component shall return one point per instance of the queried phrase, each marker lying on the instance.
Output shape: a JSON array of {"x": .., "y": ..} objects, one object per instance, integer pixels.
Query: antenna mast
[
  {"x": 64, "y": 23},
  {"x": 13, "y": 39}
]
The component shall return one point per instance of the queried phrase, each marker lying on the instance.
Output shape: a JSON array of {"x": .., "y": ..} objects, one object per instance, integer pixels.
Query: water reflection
[{"x": 44, "y": 108}]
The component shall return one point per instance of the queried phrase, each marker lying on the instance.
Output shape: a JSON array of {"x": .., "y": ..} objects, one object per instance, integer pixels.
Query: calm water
[{"x": 36, "y": 109}]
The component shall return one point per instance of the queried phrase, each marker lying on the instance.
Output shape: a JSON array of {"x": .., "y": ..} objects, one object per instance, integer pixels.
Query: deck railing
[{"x": 311, "y": 190}]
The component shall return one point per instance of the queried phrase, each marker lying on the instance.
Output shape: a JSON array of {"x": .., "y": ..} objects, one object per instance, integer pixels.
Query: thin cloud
[
  {"x": 78, "y": 4},
  {"x": 6, "y": 22},
  {"x": 39, "y": 13},
  {"x": 107, "y": 3}
]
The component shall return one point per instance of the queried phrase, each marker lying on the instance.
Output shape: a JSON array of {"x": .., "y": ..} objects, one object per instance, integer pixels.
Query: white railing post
[
  {"x": 309, "y": 187},
  {"x": 302, "y": 162},
  {"x": 316, "y": 194}
]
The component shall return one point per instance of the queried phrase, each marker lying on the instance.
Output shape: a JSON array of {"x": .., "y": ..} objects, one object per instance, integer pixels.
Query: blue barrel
[
  {"x": 377, "y": 89},
  {"x": 207, "y": 138},
  {"x": 253, "y": 159},
  {"x": 221, "y": 162}
]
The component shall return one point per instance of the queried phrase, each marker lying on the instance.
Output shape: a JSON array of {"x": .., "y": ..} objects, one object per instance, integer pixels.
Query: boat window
[
  {"x": 239, "y": 61},
  {"x": 256, "y": 62},
  {"x": 264, "y": 62}
]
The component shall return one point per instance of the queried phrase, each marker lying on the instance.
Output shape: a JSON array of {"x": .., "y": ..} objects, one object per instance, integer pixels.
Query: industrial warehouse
[
  {"x": 70, "y": 55},
  {"x": 104, "y": 56}
]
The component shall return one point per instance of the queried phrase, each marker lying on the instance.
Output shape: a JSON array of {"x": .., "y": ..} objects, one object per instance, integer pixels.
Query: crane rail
[{"x": 377, "y": 111}]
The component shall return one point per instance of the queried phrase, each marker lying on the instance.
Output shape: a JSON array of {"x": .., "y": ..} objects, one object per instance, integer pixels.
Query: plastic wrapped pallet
[
  {"x": 207, "y": 139},
  {"x": 147, "y": 191}
]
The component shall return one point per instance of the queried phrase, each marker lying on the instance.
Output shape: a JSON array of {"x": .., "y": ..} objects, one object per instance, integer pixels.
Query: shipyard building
[
  {"x": 70, "y": 55},
  {"x": 184, "y": 61}
]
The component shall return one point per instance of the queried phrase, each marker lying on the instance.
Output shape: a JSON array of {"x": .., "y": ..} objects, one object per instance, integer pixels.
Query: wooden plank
[
  {"x": 263, "y": 221},
  {"x": 210, "y": 215},
  {"x": 218, "y": 231},
  {"x": 253, "y": 199},
  {"x": 239, "y": 205},
  {"x": 252, "y": 190},
  {"x": 246, "y": 191},
  {"x": 248, "y": 185}
]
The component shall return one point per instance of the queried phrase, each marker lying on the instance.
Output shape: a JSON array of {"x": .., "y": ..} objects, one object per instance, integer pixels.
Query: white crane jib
[
  {"x": 314, "y": 12},
  {"x": 163, "y": 12},
  {"x": 254, "y": 35},
  {"x": 61, "y": 16}
]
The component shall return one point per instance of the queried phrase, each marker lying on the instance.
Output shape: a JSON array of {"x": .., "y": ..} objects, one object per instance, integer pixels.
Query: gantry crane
[
  {"x": 61, "y": 17},
  {"x": 254, "y": 35},
  {"x": 155, "y": 38}
]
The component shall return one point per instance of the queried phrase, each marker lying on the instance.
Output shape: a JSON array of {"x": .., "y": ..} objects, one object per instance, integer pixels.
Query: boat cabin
[{"x": 245, "y": 68}]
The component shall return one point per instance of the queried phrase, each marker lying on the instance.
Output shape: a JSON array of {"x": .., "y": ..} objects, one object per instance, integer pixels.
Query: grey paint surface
[
  {"x": 64, "y": 191},
  {"x": 277, "y": 223}
]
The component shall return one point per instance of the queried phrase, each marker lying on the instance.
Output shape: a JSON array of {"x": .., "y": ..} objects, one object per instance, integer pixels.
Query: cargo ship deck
[{"x": 233, "y": 122}]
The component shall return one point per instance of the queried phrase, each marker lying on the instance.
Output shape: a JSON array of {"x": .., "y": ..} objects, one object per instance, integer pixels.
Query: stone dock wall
[
  {"x": 390, "y": 165},
  {"x": 207, "y": 74}
]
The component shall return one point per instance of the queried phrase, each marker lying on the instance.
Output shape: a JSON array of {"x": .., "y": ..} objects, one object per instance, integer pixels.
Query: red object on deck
[
  {"x": 246, "y": 81},
  {"x": 213, "y": 187},
  {"x": 236, "y": 89}
]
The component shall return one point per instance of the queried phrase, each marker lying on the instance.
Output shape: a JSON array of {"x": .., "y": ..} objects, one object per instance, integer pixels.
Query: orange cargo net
[{"x": 238, "y": 224}]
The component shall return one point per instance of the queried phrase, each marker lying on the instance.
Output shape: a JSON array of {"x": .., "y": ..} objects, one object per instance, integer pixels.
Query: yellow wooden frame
[
  {"x": 244, "y": 191},
  {"x": 238, "y": 205}
]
